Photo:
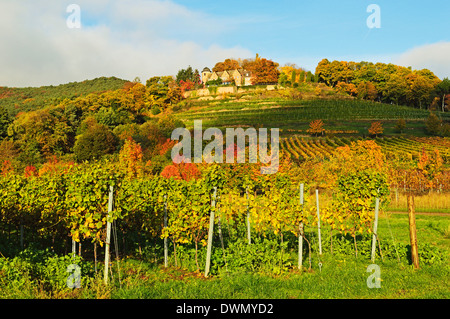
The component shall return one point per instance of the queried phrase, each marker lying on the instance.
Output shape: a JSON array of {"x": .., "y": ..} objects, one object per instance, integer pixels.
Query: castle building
[{"x": 240, "y": 77}]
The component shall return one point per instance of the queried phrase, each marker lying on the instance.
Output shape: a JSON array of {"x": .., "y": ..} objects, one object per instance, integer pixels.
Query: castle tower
[{"x": 206, "y": 74}]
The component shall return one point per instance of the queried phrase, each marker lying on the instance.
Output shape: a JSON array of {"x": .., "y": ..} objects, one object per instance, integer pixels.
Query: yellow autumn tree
[{"x": 130, "y": 158}]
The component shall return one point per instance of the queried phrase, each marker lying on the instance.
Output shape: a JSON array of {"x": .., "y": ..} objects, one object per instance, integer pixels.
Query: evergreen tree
[
  {"x": 188, "y": 74},
  {"x": 4, "y": 122}
]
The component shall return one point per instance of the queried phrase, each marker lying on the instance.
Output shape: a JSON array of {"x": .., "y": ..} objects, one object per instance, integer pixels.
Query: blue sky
[
  {"x": 289, "y": 30},
  {"x": 128, "y": 38}
]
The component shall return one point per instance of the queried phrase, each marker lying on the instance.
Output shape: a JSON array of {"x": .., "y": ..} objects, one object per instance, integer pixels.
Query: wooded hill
[
  {"x": 17, "y": 100},
  {"x": 93, "y": 119}
]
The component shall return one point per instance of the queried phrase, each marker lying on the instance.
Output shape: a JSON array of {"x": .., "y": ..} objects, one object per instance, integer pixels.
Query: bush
[
  {"x": 317, "y": 91},
  {"x": 53, "y": 272},
  {"x": 95, "y": 142},
  {"x": 21, "y": 275},
  {"x": 15, "y": 273},
  {"x": 214, "y": 82},
  {"x": 433, "y": 124},
  {"x": 445, "y": 131},
  {"x": 263, "y": 256},
  {"x": 400, "y": 125},
  {"x": 156, "y": 110}
]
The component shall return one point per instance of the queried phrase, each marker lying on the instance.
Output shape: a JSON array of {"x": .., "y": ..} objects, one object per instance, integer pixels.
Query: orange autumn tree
[
  {"x": 348, "y": 88},
  {"x": 6, "y": 168},
  {"x": 30, "y": 171},
  {"x": 54, "y": 166},
  {"x": 228, "y": 64},
  {"x": 166, "y": 146},
  {"x": 430, "y": 166},
  {"x": 316, "y": 128},
  {"x": 182, "y": 171},
  {"x": 263, "y": 71},
  {"x": 376, "y": 128},
  {"x": 130, "y": 159}
]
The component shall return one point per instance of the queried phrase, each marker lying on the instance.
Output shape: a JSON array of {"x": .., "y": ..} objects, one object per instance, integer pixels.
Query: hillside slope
[
  {"x": 17, "y": 100},
  {"x": 292, "y": 110}
]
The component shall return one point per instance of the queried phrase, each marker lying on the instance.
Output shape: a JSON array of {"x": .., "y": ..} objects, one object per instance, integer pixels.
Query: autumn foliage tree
[
  {"x": 228, "y": 64},
  {"x": 348, "y": 88},
  {"x": 186, "y": 85},
  {"x": 366, "y": 90},
  {"x": 6, "y": 168},
  {"x": 30, "y": 170},
  {"x": 290, "y": 74},
  {"x": 385, "y": 82},
  {"x": 316, "y": 128},
  {"x": 433, "y": 124},
  {"x": 182, "y": 171},
  {"x": 130, "y": 158},
  {"x": 442, "y": 91},
  {"x": 95, "y": 142},
  {"x": 263, "y": 71},
  {"x": 375, "y": 129},
  {"x": 188, "y": 75}
]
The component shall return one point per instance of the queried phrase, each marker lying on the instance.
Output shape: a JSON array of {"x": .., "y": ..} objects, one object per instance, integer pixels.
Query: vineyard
[
  {"x": 402, "y": 153},
  {"x": 222, "y": 222},
  {"x": 259, "y": 219},
  {"x": 292, "y": 116},
  {"x": 393, "y": 147},
  {"x": 72, "y": 203}
]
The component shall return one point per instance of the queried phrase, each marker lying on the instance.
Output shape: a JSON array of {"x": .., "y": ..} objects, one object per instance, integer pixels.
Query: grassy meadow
[{"x": 141, "y": 274}]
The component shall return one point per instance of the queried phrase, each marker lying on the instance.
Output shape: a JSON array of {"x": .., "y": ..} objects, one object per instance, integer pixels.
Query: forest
[
  {"x": 386, "y": 83},
  {"x": 93, "y": 121}
]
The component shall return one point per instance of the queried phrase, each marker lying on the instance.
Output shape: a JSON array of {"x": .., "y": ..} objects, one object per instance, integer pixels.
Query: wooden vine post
[
  {"x": 300, "y": 234},
  {"x": 248, "y": 218},
  {"x": 375, "y": 225},
  {"x": 318, "y": 222},
  {"x": 412, "y": 231},
  {"x": 108, "y": 235},
  {"x": 220, "y": 233},
  {"x": 74, "y": 248},
  {"x": 166, "y": 240},
  {"x": 210, "y": 234},
  {"x": 21, "y": 233}
]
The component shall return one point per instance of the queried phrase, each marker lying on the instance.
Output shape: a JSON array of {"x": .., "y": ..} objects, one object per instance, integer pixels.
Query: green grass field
[{"x": 342, "y": 274}]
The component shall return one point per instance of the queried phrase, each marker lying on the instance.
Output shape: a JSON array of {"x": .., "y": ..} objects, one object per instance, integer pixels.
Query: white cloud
[
  {"x": 120, "y": 38},
  {"x": 435, "y": 57}
]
